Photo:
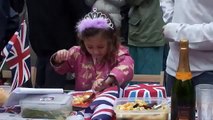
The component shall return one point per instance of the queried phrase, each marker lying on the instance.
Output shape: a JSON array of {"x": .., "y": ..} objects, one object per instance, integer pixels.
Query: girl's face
[{"x": 96, "y": 46}]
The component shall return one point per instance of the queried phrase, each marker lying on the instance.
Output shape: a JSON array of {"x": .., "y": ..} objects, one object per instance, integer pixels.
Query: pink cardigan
[{"x": 86, "y": 72}]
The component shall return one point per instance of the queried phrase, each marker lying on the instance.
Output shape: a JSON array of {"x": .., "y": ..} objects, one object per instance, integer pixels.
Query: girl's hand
[
  {"x": 99, "y": 85},
  {"x": 62, "y": 55}
]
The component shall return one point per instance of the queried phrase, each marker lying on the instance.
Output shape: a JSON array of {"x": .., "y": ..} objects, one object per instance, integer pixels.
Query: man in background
[
  {"x": 51, "y": 28},
  {"x": 145, "y": 38},
  {"x": 9, "y": 22}
]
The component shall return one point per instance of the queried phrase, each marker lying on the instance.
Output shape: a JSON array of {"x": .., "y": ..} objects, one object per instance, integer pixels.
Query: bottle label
[
  {"x": 183, "y": 75},
  {"x": 183, "y": 113}
]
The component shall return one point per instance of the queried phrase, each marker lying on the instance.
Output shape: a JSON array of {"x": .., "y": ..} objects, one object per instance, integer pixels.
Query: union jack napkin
[{"x": 145, "y": 91}]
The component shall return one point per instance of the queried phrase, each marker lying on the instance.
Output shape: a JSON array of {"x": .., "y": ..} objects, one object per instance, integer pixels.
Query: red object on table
[
  {"x": 2, "y": 81},
  {"x": 145, "y": 91}
]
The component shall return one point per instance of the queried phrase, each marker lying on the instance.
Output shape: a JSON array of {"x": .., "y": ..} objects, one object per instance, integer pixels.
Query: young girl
[{"x": 100, "y": 61}]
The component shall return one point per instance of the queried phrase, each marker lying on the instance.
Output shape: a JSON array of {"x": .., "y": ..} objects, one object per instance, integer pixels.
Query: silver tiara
[{"x": 96, "y": 14}]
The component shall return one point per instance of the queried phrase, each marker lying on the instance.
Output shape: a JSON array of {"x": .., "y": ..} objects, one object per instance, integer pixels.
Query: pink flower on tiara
[{"x": 101, "y": 23}]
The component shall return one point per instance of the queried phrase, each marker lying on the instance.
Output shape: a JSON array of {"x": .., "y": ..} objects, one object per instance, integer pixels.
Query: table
[{"x": 8, "y": 116}]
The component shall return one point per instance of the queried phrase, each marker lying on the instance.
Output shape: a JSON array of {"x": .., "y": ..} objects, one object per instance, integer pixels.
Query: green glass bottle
[{"x": 183, "y": 92}]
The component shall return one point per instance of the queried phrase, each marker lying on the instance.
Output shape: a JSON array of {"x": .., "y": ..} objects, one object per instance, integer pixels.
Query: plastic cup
[{"x": 204, "y": 101}]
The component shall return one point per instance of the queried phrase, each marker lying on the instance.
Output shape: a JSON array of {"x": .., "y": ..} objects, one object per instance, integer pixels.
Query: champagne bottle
[{"x": 183, "y": 92}]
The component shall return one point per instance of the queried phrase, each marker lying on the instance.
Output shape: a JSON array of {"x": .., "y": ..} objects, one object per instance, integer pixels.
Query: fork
[
  {"x": 160, "y": 105},
  {"x": 90, "y": 98}
]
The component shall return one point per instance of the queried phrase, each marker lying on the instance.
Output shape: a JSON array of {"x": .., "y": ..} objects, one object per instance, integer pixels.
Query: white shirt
[{"x": 191, "y": 20}]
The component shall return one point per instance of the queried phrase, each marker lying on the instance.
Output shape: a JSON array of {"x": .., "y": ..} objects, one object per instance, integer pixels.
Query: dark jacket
[
  {"x": 9, "y": 22},
  {"x": 52, "y": 24}
]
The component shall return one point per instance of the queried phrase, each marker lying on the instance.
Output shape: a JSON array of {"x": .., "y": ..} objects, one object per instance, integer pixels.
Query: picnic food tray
[{"x": 124, "y": 109}]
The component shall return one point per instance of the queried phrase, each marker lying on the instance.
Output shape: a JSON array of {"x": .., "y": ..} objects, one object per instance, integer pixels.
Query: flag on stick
[{"x": 17, "y": 56}]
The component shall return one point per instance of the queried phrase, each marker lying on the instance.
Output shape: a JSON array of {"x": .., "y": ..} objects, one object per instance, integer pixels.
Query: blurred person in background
[
  {"x": 112, "y": 7},
  {"x": 51, "y": 28},
  {"x": 145, "y": 38},
  {"x": 9, "y": 22},
  {"x": 124, "y": 23},
  {"x": 191, "y": 20}
]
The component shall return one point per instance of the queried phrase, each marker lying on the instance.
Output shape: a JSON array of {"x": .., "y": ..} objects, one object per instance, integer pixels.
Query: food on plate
[
  {"x": 140, "y": 110},
  {"x": 80, "y": 98},
  {"x": 3, "y": 96}
]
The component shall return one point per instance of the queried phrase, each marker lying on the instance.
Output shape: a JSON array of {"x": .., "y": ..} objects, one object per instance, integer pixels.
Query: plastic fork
[
  {"x": 160, "y": 105},
  {"x": 90, "y": 98}
]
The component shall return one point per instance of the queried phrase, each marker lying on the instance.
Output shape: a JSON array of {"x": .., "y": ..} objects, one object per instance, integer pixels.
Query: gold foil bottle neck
[
  {"x": 184, "y": 44},
  {"x": 183, "y": 71}
]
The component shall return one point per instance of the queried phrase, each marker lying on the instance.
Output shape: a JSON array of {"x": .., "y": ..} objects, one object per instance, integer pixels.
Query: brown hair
[{"x": 112, "y": 43}]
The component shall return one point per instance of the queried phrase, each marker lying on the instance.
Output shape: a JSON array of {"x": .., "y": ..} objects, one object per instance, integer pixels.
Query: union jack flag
[{"x": 17, "y": 55}]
